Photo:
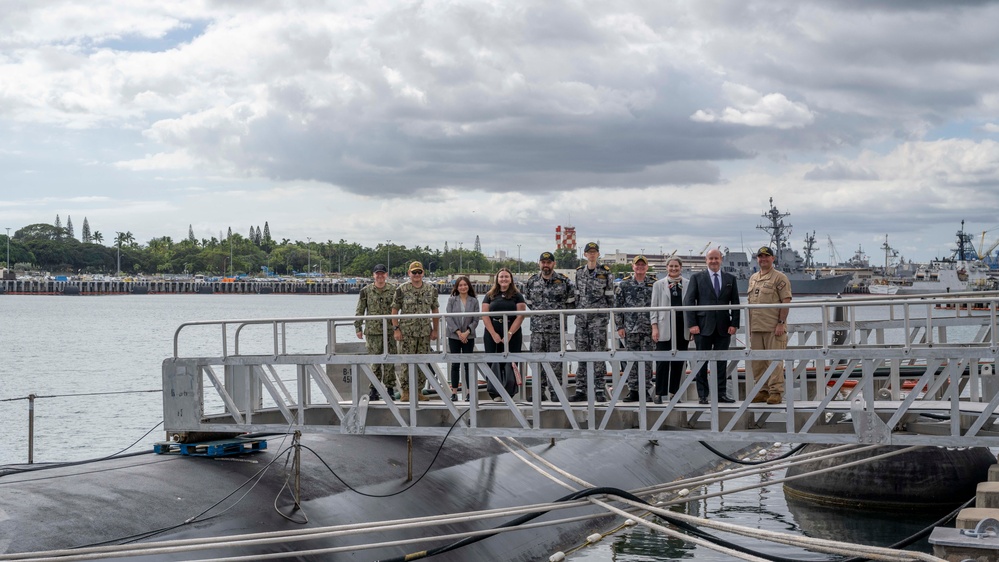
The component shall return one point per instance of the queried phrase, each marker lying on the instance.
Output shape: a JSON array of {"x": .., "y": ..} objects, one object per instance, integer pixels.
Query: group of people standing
[
  {"x": 408, "y": 335},
  {"x": 593, "y": 286},
  {"x": 713, "y": 329}
]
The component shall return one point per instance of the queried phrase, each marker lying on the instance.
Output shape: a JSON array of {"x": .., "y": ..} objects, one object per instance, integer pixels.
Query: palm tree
[
  {"x": 123, "y": 238},
  {"x": 97, "y": 237}
]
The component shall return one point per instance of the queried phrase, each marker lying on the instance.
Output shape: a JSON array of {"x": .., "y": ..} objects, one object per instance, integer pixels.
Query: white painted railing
[{"x": 885, "y": 370}]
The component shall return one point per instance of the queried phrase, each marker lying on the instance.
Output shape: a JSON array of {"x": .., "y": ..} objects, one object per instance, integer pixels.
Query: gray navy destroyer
[{"x": 789, "y": 261}]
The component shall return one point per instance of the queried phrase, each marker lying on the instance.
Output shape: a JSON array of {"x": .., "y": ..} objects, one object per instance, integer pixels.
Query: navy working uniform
[
  {"x": 594, "y": 289},
  {"x": 554, "y": 293},
  {"x": 632, "y": 293}
]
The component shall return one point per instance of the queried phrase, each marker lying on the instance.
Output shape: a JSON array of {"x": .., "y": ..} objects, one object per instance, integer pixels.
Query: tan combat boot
[
  {"x": 775, "y": 398},
  {"x": 761, "y": 396}
]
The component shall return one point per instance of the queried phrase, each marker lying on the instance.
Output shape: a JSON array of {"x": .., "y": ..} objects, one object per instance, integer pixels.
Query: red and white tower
[{"x": 565, "y": 238}]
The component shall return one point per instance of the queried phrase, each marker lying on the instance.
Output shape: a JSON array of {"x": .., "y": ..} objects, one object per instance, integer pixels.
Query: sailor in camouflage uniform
[
  {"x": 376, "y": 300},
  {"x": 635, "y": 328},
  {"x": 548, "y": 290},
  {"x": 594, "y": 289},
  {"x": 414, "y": 334}
]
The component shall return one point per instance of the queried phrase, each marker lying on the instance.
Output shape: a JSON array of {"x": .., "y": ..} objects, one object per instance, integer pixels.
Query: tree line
[{"x": 53, "y": 248}]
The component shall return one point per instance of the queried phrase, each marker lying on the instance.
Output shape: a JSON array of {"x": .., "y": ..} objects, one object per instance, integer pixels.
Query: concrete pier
[
  {"x": 963, "y": 542},
  {"x": 182, "y": 287}
]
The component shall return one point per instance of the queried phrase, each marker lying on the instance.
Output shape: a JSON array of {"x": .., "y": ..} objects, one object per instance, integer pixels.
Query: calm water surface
[{"x": 63, "y": 348}]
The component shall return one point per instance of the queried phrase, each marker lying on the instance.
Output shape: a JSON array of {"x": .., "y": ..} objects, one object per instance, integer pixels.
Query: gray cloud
[
  {"x": 691, "y": 111},
  {"x": 840, "y": 171}
]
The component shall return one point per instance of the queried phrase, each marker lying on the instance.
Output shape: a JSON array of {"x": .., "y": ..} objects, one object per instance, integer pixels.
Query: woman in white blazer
[{"x": 669, "y": 291}]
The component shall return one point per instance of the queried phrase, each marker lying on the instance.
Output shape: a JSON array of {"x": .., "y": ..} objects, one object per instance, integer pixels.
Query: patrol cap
[
  {"x": 379, "y": 268},
  {"x": 416, "y": 266},
  {"x": 591, "y": 246},
  {"x": 764, "y": 251},
  {"x": 547, "y": 256},
  {"x": 640, "y": 258}
]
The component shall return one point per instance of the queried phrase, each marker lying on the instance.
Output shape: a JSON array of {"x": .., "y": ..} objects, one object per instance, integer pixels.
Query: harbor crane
[
  {"x": 834, "y": 258},
  {"x": 985, "y": 253},
  {"x": 704, "y": 249}
]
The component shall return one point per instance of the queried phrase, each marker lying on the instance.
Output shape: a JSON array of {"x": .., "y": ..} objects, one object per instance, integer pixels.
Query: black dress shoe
[
  {"x": 657, "y": 400},
  {"x": 632, "y": 396},
  {"x": 725, "y": 400},
  {"x": 702, "y": 400}
]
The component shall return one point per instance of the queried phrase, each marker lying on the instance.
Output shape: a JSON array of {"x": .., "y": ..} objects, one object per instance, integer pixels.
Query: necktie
[{"x": 717, "y": 285}]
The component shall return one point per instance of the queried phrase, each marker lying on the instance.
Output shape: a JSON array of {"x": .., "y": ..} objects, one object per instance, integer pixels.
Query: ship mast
[
  {"x": 779, "y": 232},
  {"x": 889, "y": 253},
  {"x": 965, "y": 250},
  {"x": 809, "y": 249}
]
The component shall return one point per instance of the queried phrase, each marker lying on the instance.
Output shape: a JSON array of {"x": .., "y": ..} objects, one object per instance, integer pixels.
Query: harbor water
[{"x": 94, "y": 364}]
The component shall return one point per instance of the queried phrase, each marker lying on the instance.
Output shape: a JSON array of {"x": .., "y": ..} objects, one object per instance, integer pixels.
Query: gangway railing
[{"x": 859, "y": 370}]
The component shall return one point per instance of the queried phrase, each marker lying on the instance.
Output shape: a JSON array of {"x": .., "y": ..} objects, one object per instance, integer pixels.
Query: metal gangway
[{"x": 884, "y": 370}]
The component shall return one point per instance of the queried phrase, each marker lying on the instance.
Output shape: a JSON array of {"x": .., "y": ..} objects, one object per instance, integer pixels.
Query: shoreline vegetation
[{"x": 43, "y": 250}]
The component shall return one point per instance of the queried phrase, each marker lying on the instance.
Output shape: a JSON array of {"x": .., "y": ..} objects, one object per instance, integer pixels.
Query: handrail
[
  {"x": 826, "y": 305},
  {"x": 831, "y": 384}
]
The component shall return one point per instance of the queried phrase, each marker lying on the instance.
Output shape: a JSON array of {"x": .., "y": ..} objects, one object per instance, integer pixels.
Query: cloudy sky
[{"x": 644, "y": 124}]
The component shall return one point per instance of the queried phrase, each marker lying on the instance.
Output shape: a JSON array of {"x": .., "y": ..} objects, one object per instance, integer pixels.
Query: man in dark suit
[{"x": 712, "y": 329}]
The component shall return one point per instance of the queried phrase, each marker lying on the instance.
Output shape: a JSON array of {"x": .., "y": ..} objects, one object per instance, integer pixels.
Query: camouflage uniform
[
  {"x": 637, "y": 325},
  {"x": 556, "y": 293},
  {"x": 415, "y": 331},
  {"x": 373, "y": 301},
  {"x": 594, "y": 289}
]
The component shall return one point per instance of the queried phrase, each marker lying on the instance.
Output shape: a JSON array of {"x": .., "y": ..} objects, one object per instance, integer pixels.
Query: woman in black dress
[{"x": 503, "y": 331}]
